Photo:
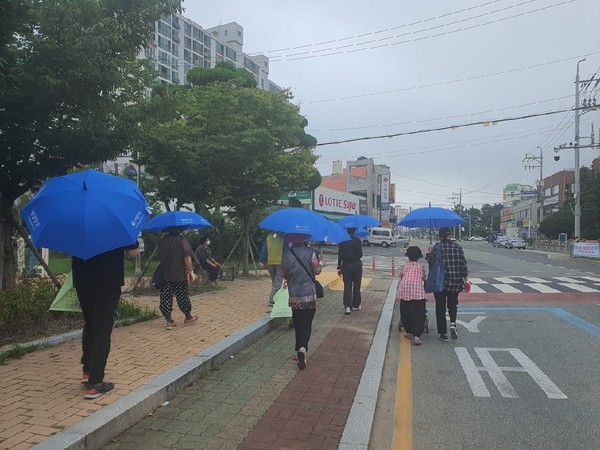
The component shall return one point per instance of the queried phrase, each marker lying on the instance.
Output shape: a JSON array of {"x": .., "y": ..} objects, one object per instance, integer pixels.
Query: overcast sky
[{"x": 394, "y": 67}]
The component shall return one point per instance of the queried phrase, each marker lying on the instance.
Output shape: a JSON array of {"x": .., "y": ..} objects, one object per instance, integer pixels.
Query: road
[{"x": 523, "y": 373}]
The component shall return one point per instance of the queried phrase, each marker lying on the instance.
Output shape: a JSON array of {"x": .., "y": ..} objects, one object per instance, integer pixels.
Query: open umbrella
[
  {"x": 301, "y": 221},
  {"x": 176, "y": 219},
  {"x": 333, "y": 234},
  {"x": 86, "y": 213},
  {"x": 431, "y": 217},
  {"x": 359, "y": 221}
]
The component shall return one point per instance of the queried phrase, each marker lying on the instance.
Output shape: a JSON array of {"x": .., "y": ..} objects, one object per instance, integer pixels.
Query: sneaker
[
  {"x": 443, "y": 337},
  {"x": 301, "y": 358},
  {"x": 190, "y": 321},
  {"x": 348, "y": 310},
  {"x": 453, "y": 332},
  {"x": 356, "y": 308},
  {"x": 85, "y": 377},
  {"x": 96, "y": 390},
  {"x": 417, "y": 340},
  {"x": 170, "y": 325},
  {"x": 408, "y": 335}
]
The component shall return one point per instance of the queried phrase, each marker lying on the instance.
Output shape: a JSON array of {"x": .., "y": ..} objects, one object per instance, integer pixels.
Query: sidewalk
[{"x": 41, "y": 399}]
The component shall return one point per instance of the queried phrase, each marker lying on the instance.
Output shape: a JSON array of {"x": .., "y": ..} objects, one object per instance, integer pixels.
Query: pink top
[{"x": 411, "y": 286}]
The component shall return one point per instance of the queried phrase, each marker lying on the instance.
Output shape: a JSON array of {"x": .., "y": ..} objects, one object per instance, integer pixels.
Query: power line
[{"x": 485, "y": 123}]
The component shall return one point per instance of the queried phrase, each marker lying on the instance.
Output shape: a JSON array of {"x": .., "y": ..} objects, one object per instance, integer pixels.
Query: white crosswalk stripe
[
  {"x": 507, "y": 288},
  {"x": 543, "y": 288},
  {"x": 568, "y": 280},
  {"x": 579, "y": 287}
]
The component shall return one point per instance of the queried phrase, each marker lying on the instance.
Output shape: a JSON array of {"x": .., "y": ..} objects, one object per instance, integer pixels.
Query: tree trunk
[{"x": 7, "y": 254}]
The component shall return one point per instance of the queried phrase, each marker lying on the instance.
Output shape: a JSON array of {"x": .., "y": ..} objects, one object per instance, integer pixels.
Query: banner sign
[
  {"x": 586, "y": 249},
  {"x": 385, "y": 192}
]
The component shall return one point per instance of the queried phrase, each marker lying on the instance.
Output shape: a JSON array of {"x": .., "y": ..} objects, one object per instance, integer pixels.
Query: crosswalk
[{"x": 544, "y": 285}]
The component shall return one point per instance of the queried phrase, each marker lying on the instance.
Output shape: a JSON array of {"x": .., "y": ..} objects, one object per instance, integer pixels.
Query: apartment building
[{"x": 179, "y": 44}]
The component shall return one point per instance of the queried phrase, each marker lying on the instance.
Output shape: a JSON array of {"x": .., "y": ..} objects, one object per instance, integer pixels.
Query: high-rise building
[{"x": 179, "y": 44}]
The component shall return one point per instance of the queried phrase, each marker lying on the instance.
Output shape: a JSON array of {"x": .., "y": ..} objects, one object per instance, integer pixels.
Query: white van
[{"x": 380, "y": 236}]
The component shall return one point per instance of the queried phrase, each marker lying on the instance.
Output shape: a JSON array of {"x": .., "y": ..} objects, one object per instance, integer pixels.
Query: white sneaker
[
  {"x": 348, "y": 310},
  {"x": 356, "y": 309}
]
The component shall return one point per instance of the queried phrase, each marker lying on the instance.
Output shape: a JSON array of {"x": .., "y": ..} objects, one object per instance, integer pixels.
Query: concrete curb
[
  {"x": 110, "y": 421},
  {"x": 357, "y": 431}
]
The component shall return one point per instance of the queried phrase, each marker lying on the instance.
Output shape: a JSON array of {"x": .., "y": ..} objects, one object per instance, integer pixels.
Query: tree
[
  {"x": 590, "y": 203},
  {"x": 562, "y": 221},
  {"x": 235, "y": 147},
  {"x": 69, "y": 77}
]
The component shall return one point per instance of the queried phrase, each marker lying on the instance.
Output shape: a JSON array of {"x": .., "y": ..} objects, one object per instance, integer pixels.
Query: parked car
[
  {"x": 380, "y": 236},
  {"x": 476, "y": 238},
  {"x": 402, "y": 241},
  {"x": 499, "y": 242},
  {"x": 516, "y": 242}
]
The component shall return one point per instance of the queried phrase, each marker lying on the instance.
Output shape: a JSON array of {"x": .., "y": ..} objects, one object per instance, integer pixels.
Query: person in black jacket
[{"x": 350, "y": 268}]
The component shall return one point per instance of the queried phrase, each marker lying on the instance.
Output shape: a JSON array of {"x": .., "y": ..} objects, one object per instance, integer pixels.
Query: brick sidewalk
[{"x": 41, "y": 395}]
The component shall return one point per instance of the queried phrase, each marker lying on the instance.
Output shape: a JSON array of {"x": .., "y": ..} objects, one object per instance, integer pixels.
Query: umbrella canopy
[
  {"x": 431, "y": 217},
  {"x": 302, "y": 221},
  {"x": 334, "y": 234},
  {"x": 86, "y": 213},
  {"x": 359, "y": 221},
  {"x": 176, "y": 219}
]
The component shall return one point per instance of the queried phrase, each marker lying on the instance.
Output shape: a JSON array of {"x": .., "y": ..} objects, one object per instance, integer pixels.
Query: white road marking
[
  {"x": 480, "y": 281},
  {"x": 496, "y": 373},
  {"x": 507, "y": 288},
  {"x": 579, "y": 287},
  {"x": 506, "y": 280},
  {"x": 476, "y": 290},
  {"x": 544, "y": 289},
  {"x": 472, "y": 325},
  {"x": 595, "y": 279},
  {"x": 568, "y": 280},
  {"x": 536, "y": 280}
]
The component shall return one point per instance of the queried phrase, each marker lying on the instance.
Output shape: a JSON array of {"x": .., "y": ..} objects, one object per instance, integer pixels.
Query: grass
[{"x": 17, "y": 352}]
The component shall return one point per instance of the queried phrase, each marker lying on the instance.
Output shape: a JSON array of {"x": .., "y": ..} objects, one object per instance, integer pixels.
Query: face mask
[{"x": 208, "y": 242}]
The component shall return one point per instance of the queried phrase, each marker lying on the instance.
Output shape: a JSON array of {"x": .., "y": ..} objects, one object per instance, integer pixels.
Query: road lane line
[
  {"x": 507, "y": 288},
  {"x": 404, "y": 409},
  {"x": 579, "y": 287},
  {"x": 544, "y": 289}
]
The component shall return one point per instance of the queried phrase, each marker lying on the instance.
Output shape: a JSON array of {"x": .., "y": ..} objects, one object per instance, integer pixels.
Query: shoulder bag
[{"x": 435, "y": 278}]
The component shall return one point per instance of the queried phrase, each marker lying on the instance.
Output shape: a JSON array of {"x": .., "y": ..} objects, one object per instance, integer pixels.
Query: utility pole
[
  {"x": 529, "y": 158},
  {"x": 588, "y": 105}
]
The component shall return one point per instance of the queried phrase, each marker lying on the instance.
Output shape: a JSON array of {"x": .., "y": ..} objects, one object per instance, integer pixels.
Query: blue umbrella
[
  {"x": 86, "y": 213},
  {"x": 431, "y": 217},
  {"x": 176, "y": 219},
  {"x": 361, "y": 232},
  {"x": 300, "y": 221},
  {"x": 359, "y": 221},
  {"x": 333, "y": 234}
]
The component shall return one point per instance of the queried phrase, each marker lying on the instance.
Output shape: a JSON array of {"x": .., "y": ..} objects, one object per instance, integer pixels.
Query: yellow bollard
[
  {"x": 374, "y": 264},
  {"x": 393, "y": 268}
]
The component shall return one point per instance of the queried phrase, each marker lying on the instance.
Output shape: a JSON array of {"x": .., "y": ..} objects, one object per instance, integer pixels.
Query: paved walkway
[{"x": 41, "y": 399}]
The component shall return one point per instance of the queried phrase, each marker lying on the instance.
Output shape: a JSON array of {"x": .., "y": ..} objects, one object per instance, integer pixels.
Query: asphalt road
[{"x": 523, "y": 373}]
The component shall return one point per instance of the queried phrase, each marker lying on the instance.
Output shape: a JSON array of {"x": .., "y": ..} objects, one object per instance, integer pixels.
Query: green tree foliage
[
  {"x": 590, "y": 204},
  {"x": 562, "y": 221},
  {"x": 223, "y": 72},
  {"x": 69, "y": 77}
]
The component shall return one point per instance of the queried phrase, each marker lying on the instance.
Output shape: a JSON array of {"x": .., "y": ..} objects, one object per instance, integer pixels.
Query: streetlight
[{"x": 577, "y": 187}]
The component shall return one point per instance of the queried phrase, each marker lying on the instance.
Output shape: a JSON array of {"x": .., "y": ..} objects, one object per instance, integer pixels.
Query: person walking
[
  {"x": 410, "y": 295},
  {"x": 300, "y": 265},
  {"x": 98, "y": 282},
  {"x": 271, "y": 255},
  {"x": 455, "y": 275},
  {"x": 206, "y": 260},
  {"x": 174, "y": 254},
  {"x": 350, "y": 269}
]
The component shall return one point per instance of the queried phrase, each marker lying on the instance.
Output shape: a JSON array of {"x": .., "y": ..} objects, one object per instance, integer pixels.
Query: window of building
[
  {"x": 220, "y": 48},
  {"x": 230, "y": 53},
  {"x": 164, "y": 43},
  {"x": 163, "y": 57},
  {"x": 164, "y": 29},
  {"x": 187, "y": 42},
  {"x": 207, "y": 64},
  {"x": 198, "y": 34},
  {"x": 175, "y": 63},
  {"x": 164, "y": 72},
  {"x": 187, "y": 56},
  {"x": 251, "y": 66},
  {"x": 555, "y": 189},
  {"x": 197, "y": 47},
  {"x": 187, "y": 29},
  {"x": 239, "y": 33},
  {"x": 196, "y": 59},
  {"x": 175, "y": 36},
  {"x": 175, "y": 22},
  {"x": 219, "y": 58},
  {"x": 207, "y": 41},
  {"x": 175, "y": 49}
]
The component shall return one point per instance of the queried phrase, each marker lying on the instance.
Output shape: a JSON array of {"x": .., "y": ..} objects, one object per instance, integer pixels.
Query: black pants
[
  {"x": 99, "y": 310},
  {"x": 181, "y": 291},
  {"x": 303, "y": 319},
  {"x": 212, "y": 271},
  {"x": 352, "y": 276},
  {"x": 445, "y": 300},
  {"x": 412, "y": 315}
]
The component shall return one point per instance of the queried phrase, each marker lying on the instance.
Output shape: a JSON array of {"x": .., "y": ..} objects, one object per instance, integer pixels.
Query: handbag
[
  {"x": 318, "y": 286},
  {"x": 158, "y": 277},
  {"x": 435, "y": 278}
]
